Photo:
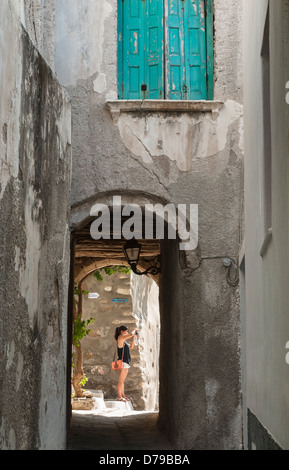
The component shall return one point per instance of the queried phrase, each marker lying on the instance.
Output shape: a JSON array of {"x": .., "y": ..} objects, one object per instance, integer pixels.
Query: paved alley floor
[{"x": 116, "y": 430}]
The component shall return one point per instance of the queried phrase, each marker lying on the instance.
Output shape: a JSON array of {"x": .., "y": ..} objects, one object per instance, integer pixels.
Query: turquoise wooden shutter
[
  {"x": 154, "y": 66},
  {"x": 195, "y": 49},
  {"x": 175, "y": 50},
  {"x": 141, "y": 49},
  {"x": 186, "y": 46},
  {"x": 133, "y": 48},
  {"x": 189, "y": 58},
  {"x": 210, "y": 49}
]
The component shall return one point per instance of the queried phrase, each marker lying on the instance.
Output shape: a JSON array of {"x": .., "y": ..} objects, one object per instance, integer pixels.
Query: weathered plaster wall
[
  {"x": 39, "y": 21},
  {"x": 200, "y": 396},
  {"x": 145, "y": 302},
  {"x": 267, "y": 297},
  {"x": 38, "y": 18},
  {"x": 156, "y": 148},
  {"x": 175, "y": 157},
  {"x": 83, "y": 52},
  {"x": 35, "y": 138}
]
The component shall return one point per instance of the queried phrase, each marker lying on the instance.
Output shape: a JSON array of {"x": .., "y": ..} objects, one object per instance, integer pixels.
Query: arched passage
[
  {"x": 196, "y": 378},
  {"x": 91, "y": 255}
]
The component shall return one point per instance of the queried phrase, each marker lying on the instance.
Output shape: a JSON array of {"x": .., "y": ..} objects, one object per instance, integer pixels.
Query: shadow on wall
[{"x": 139, "y": 308}]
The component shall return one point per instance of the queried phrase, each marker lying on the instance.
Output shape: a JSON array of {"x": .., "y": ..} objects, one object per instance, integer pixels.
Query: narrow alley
[
  {"x": 144, "y": 235},
  {"x": 116, "y": 431}
]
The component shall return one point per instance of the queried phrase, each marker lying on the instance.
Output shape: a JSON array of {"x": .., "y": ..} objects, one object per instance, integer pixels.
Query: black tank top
[{"x": 126, "y": 354}]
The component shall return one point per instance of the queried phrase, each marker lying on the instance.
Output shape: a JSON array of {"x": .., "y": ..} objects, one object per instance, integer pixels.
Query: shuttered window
[{"x": 165, "y": 49}]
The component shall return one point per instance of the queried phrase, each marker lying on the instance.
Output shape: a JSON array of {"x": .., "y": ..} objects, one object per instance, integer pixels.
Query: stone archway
[
  {"x": 90, "y": 265},
  {"x": 91, "y": 255},
  {"x": 199, "y": 402}
]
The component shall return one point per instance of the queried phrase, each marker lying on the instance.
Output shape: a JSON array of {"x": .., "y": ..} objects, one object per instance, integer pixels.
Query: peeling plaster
[
  {"x": 99, "y": 84},
  {"x": 17, "y": 258},
  {"x": 10, "y": 352},
  {"x": 19, "y": 370},
  {"x": 11, "y": 75},
  {"x": 11, "y": 444},
  {"x": 12, "y": 439},
  {"x": 79, "y": 38},
  {"x": 212, "y": 386},
  {"x": 29, "y": 290},
  {"x": 183, "y": 138},
  {"x": 2, "y": 435},
  {"x": 19, "y": 9},
  {"x": 111, "y": 95}
]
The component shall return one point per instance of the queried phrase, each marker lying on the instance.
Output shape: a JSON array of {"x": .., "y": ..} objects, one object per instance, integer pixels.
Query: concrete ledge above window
[{"x": 117, "y": 107}]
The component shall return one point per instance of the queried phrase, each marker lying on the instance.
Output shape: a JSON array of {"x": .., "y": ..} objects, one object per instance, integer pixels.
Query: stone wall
[
  {"x": 266, "y": 296},
  {"x": 199, "y": 377},
  {"x": 145, "y": 302},
  {"x": 35, "y": 172}
]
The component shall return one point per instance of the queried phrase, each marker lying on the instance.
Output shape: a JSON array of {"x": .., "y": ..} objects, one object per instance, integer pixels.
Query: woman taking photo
[{"x": 123, "y": 349}]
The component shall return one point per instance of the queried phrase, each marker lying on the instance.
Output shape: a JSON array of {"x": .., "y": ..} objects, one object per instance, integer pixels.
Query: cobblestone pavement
[{"x": 116, "y": 430}]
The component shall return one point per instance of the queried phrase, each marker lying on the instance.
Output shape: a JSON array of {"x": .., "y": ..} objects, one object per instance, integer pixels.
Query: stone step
[
  {"x": 97, "y": 394},
  {"x": 97, "y": 402},
  {"x": 119, "y": 405}
]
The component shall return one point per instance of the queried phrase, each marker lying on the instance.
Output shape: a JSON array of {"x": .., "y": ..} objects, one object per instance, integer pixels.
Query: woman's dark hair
[{"x": 118, "y": 331}]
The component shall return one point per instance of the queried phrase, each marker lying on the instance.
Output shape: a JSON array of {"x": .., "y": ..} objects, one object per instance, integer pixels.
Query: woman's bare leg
[{"x": 121, "y": 380}]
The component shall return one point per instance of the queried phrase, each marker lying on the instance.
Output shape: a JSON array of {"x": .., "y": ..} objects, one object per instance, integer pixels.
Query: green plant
[
  {"x": 111, "y": 270},
  {"x": 81, "y": 329},
  {"x": 76, "y": 293},
  {"x": 83, "y": 381}
]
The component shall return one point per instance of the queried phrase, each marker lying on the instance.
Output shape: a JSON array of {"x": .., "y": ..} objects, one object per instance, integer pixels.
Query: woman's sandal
[{"x": 121, "y": 399}]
